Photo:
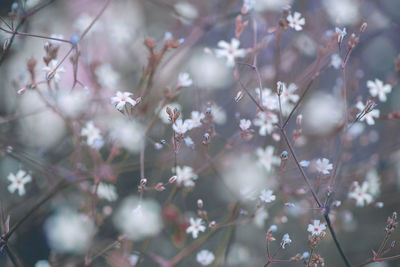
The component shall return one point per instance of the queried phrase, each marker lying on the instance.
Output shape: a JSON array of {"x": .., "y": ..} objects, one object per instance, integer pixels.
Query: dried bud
[
  {"x": 159, "y": 187},
  {"x": 172, "y": 179},
  {"x": 149, "y": 42},
  {"x": 239, "y": 96},
  {"x": 212, "y": 224},
  {"x": 5, "y": 44},
  {"x": 299, "y": 119},
  {"x": 143, "y": 182},
  {"x": 363, "y": 27},
  {"x": 21, "y": 91},
  {"x": 200, "y": 203}
]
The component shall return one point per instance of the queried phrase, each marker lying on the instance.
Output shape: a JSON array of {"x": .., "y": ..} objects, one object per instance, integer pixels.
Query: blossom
[
  {"x": 189, "y": 141},
  {"x": 341, "y": 34},
  {"x": 323, "y": 166},
  {"x": 295, "y": 21},
  {"x": 267, "y": 196},
  {"x": 195, "y": 120},
  {"x": 304, "y": 163},
  {"x": 107, "y": 76},
  {"x": 94, "y": 139},
  {"x": 267, "y": 158},
  {"x": 336, "y": 61},
  {"x": 361, "y": 194},
  {"x": 184, "y": 80},
  {"x": 378, "y": 88},
  {"x": 368, "y": 115},
  {"x": 52, "y": 71},
  {"x": 205, "y": 257},
  {"x": 56, "y": 42},
  {"x": 288, "y": 96},
  {"x": 180, "y": 126},
  {"x": 42, "y": 263},
  {"x": 230, "y": 51},
  {"x": 266, "y": 121},
  {"x": 269, "y": 99},
  {"x": 196, "y": 226},
  {"x": 107, "y": 191},
  {"x": 18, "y": 182},
  {"x": 285, "y": 240},
  {"x": 244, "y": 124},
  {"x": 185, "y": 176},
  {"x": 121, "y": 99},
  {"x": 316, "y": 228}
]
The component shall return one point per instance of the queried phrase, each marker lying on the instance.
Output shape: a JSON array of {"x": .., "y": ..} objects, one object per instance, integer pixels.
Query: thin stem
[{"x": 328, "y": 222}]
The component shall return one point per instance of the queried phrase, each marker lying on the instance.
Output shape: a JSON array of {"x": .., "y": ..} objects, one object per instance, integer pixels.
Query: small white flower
[
  {"x": 195, "y": 120},
  {"x": 196, "y": 226},
  {"x": 184, "y": 80},
  {"x": 244, "y": 124},
  {"x": 341, "y": 34},
  {"x": 248, "y": 4},
  {"x": 323, "y": 166},
  {"x": 57, "y": 36},
  {"x": 180, "y": 126},
  {"x": 42, "y": 263},
  {"x": 295, "y": 21},
  {"x": 370, "y": 116},
  {"x": 273, "y": 228},
  {"x": 52, "y": 72},
  {"x": 285, "y": 240},
  {"x": 360, "y": 194},
  {"x": 121, "y": 99},
  {"x": 336, "y": 61},
  {"x": 304, "y": 163},
  {"x": 288, "y": 96},
  {"x": 185, "y": 176},
  {"x": 266, "y": 121},
  {"x": 188, "y": 141},
  {"x": 230, "y": 51},
  {"x": 269, "y": 99},
  {"x": 106, "y": 75},
  {"x": 267, "y": 158},
  {"x": 92, "y": 134},
  {"x": 18, "y": 182},
  {"x": 267, "y": 196},
  {"x": 316, "y": 228},
  {"x": 205, "y": 257},
  {"x": 378, "y": 88},
  {"x": 107, "y": 191}
]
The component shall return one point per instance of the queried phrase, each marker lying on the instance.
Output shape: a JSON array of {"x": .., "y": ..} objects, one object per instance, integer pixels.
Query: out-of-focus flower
[
  {"x": 83, "y": 21},
  {"x": 184, "y": 80},
  {"x": 341, "y": 34},
  {"x": 180, "y": 126},
  {"x": 342, "y": 12},
  {"x": 52, "y": 72},
  {"x": 127, "y": 133},
  {"x": 244, "y": 124},
  {"x": 266, "y": 121},
  {"x": 367, "y": 115},
  {"x": 18, "y": 182},
  {"x": 269, "y": 99},
  {"x": 260, "y": 216},
  {"x": 69, "y": 232},
  {"x": 288, "y": 96},
  {"x": 360, "y": 194},
  {"x": 107, "y": 76},
  {"x": 121, "y": 99},
  {"x": 323, "y": 166},
  {"x": 195, "y": 120},
  {"x": 218, "y": 113},
  {"x": 205, "y": 257},
  {"x": 196, "y": 226},
  {"x": 336, "y": 61},
  {"x": 248, "y": 5},
  {"x": 267, "y": 196},
  {"x": 272, "y": 5},
  {"x": 92, "y": 134},
  {"x": 185, "y": 176},
  {"x": 374, "y": 182},
  {"x": 42, "y": 263},
  {"x": 378, "y": 88},
  {"x": 187, "y": 11},
  {"x": 267, "y": 158},
  {"x": 296, "y": 21},
  {"x": 57, "y": 36},
  {"x": 230, "y": 51},
  {"x": 107, "y": 191},
  {"x": 72, "y": 103},
  {"x": 316, "y": 228},
  {"x": 189, "y": 141},
  {"x": 304, "y": 163},
  {"x": 137, "y": 218},
  {"x": 285, "y": 240}
]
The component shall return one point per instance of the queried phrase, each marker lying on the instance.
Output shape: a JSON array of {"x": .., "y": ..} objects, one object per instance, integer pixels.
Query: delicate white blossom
[
  {"x": 341, "y": 34},
  {"x": 360, "y": 194},
  {"x": 53, "y": 72},
  {"x": 269, "y": 99},
  {"x": 316, "y": 228},
  {"x": 180, "y": 126},
  {"x": 378, "y": 88},
  {"x": 230, "y": 51},
  {"x": 107, "y": 191},
  {"x": 336, "y": 61},
  {"x": 244, "y": 124},
  {"x": 295, "y": 21},
  {"x": 367, "y": 115},
  {"x": 185, "y": 176},
  {"x": 323, "y": 166},
  {"x": 205, "y": 257},
  {"x": 121, "y": 99},
  {"x": 266, "y": 121},
  {"x": 196, "y": 226},
  {"x": 285, "y": 240},
  {"x": 195, "y": 120},
  {"x": 184, "y": 80},
  {"x": 18, "y": 182},
  {"x": 92, "y": 134},
  {"x": 42, "y": 263},
  {"x": 267, "y": 196},
  {"x": 267, "y": 158}
]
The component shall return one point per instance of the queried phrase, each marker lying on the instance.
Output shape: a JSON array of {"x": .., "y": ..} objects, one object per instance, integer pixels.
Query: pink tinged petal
[{"x": 223, "y": 44}]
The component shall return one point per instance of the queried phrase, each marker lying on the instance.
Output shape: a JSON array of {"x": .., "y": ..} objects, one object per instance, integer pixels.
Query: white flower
[
  {"x": 248, "y": 4},
  {"x": 267, "y": 158},
  {"x": 267, "y": 196},
  {"x": 107, "y": 76},
  {"x": 196, "y": 226},
  {"x": 260, "y": 216},
  {"x": 185, "y": 176},
  {"x": 285, "y": 240},
  {"x": 218, "y": 114},
  {"x": 180, "y": 126},
  {"x": 83, "y": 21},
  {"x": 57, "y": 36},
  {"x": 295, "y": 21},
  {"x": 188, "y": 141},
  {"x": 195, "y": 120},
  {"x": 230, "y": 51},
  {"x": 133, "y": 259},
  {"x": 378, "y": 88},
  {"x": 205, "y": 257},
  {"x": 269, "y": 99},
  {"x": 107, "y": 191},
  {"x": 374, "y": 182},
  {"x": 18, "y": 182},
  {"x": 304, "y": 163},
  {"x": 120, "y": 99},
  {"x": 360, "y": 194},
  {"x": 184, "y": 80},
  {"x": 341, "y": 34},
  {"x": 323, "y": 166},
  {"x": 69, "y": 232},
  {"x": 93, "y": 137},
  {"x": 244, "y": 124},
  {"x": 316, "y": 228},
  {"x": 138, "y": 219},
  {"x": 370, "y": 116},
  {"x": 288, "y": 96},
  {"x": 336, "y": 61},
  {"x": 266, "y": 121},
  {"x": 127, "y": 133},
  {"x": 52, "y": 72},
  {"x": 42, "y": 263}
]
